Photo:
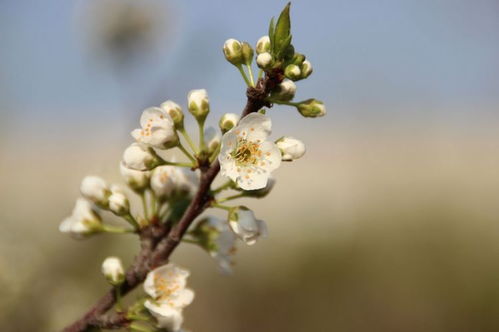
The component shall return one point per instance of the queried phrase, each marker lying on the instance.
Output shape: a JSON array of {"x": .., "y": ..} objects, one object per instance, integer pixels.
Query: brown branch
[{"x": 156, "y": 248}]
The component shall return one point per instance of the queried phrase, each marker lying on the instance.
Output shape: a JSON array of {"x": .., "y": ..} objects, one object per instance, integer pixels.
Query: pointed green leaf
[
  {"x": 282, "y": 31},
  {"x": 271, "y": 33}
]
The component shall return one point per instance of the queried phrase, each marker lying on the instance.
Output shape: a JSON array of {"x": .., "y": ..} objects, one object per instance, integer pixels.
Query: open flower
[
  {"x": 83, "y": 221},
  {"x": 244, "y": 224},
  {"x": 170, "y": 180},
  {"x": 246, "y": 157},
  {"x": 166, "y": 286},
  {"x": 157, "y": 130}
]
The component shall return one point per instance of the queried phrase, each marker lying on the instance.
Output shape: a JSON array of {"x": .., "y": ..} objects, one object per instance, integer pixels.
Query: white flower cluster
[{"x": 166, "y": 287}]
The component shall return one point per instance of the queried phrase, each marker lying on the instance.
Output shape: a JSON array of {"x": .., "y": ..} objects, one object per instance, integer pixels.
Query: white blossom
[
  {"x": 166, "y": 286},
  {"x": 291, "y": 148},
  {"x": 83, "y": 221},
  {"x": 118, "y": 201},
  {"x": 293, "y": 72},
  {"x": 138, "y": 156},
  {"x": 224, "y": 243},
  {"x": 306, "y": 69},
  {"x": 157, "y": 130},
  {"x": 175, "y": 112},
  {"x": 95, "y": 189},
  {"x": 199, "y": 104},
  {"x": 244, "y": 224},
  {"x": 263, "y": 45},
  {"x": 264, "y": 60},
  {"x": 137, "y": 180},
  {"x": 113, "y": 270},
  {"x": 246, "y": 157},
  {"x": 170, "y": 180}
]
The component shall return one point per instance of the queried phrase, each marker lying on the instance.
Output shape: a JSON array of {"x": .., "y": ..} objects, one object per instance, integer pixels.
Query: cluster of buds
[
  {"x": 275, "y": 55},
  {"x": 240, "y": 148}
]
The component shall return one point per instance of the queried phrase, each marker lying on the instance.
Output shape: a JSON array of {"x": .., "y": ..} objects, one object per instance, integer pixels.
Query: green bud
[
  {"x": 199, "y": 105},
  {"x": 247, "y": 53},
  {"x": 285, "y": 91},
  {"x": 233, "y": 52},
  {"x": 228, "y": 121},
  {"x": 292, "y": 72},
  {"x": 311, "y": 108},
  {"x": 175, "y": 112},
  {"x": 298, "y": 59},
  {"x": 264, "y": 60}
]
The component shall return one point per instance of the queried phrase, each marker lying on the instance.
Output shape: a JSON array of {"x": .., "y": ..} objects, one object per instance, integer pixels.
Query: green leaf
[
  {"x": 282, "y": 33},
  {"x": 271, "y": 33}
]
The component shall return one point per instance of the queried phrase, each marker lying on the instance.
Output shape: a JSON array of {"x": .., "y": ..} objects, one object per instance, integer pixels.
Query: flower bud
[
  {"x": 260, "y": 193},
  {"x": 263, "y": 45},
  {"x": 291, "y": 148},
  {"x": 175, "y": 112},
  {"x": 312, "y": 108},
  {"x": 247, "y": 53},
  {"x": 83, "y": 221},
  {"x": 292, "y": 72},
  {"x": 199, "y": 105},
  {"x": 298, "y": 59},
  {"x": 212, "y": 139},
  {"x": 306, "y": 69},
  {"x": 96, "y": 190},
  {"x": 264, "y": 60},
  {"x": 243, "y": 223},
  {"x": 285, "y": 91},
  {"x": 118, "y": 202},
  {"x": 228, "y": 121},
  {"x": 139, "y": 157},
  {"x": 233, "y": 52},
  {"x": 113, "y": 270},
  {"x": 164, "y": 181},
  {"x": 136, "y": 180}
]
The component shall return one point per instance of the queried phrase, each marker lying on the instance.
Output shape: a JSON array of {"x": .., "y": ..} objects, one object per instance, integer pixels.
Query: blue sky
[{"x": 398, "y": 58}]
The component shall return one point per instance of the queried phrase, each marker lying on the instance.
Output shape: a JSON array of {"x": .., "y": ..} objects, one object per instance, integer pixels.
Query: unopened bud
[
  {"x": 311, "y": 108},
  {"x": 211, "y": 139},
  {"x": 263, "y": 45},
  {"x": 291, "y": 148},
  {"x": 247, "y": 53},
  {"x": 264, "y": 60},
  {"x": 298, "y": 59},
  {"x": 112, "y": 269},
  {"x": 306, "y": 69},
  {"x": 243, "y": 223},
  {"x": 136, "y": 180},
  {"x": 139, "y": 157},
  {"x": 285, "y": 91},
  {"x": 228, "y": 121},
  {"x": 175, "y": 112},
  {"x": 96, "y": 190},
  {"x": 118, "y": 202},
  {"x": 199, "y": 105},
  {"x": 233, "y": 52},
  {"x": 292, "y": 72}
]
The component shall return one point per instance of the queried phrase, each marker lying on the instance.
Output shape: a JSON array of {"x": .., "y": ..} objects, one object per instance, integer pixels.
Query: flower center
[
  {"x": 165, "y": 288},
  {"x": 246, "y": 153}
]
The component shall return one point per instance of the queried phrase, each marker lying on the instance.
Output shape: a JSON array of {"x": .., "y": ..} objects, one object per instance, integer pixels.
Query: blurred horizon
[{"x": 388, "y": 223}]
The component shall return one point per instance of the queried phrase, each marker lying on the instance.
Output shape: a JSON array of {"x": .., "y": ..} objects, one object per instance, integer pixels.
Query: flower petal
[{"x": 254, "y": 127}]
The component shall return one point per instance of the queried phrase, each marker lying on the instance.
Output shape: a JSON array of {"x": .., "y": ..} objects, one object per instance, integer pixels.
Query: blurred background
[{"x": 389, "y": 223}]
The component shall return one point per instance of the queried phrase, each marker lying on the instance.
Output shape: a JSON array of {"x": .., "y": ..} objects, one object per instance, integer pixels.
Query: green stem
[
  {"x": 243, "y": 74},
  {"x": 144, "y": 205},
  {"x": 201, "y": 134},
  {"x": 280, "y": 102},
  {"x": 223, "y": 207},
  {"x": 229, "y": 198},
  {"x": 260, "y": 73},
  {"x": 226, "y": 185},
  {"x": 190, "y": 241},
  {"x": 154, "y": 204},
  {"x": 119, "y": 305},
  {"x": 187, "y": 154},
  {"x": 116, "y": 230},
  {"x": 250, "y": 73},
  {"x": 215, "y": 153},
  {"x": 189, "y": 140},
  {"x": 140, "y": 328},
  {"x": 131, "y": 220}
]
